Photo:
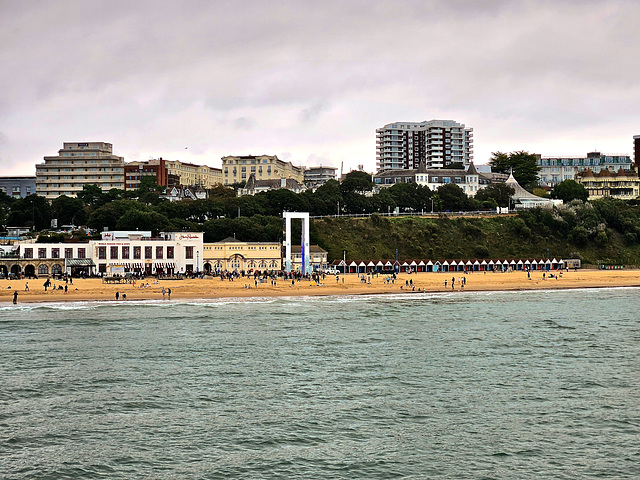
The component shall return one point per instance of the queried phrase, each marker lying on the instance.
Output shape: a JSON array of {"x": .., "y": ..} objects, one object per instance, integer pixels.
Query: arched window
[
  {"x": 56, "y": 269},
  {"x": 43, "y": 270}
]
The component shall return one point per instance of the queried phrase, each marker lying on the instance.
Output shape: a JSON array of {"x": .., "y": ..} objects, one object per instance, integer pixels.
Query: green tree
[
  {"x": 356, "y": 181},
  {"x": 326, "y": 200},
  {"x": 499, "y": 192},
  {"x": 452, "y": 197},
  {"x": 69, "y": 211},
  {"x": 568, "y": 190},
  {"x": 523, "y": 164},
  {"x": 31, "y": 211},
  {"x": 93, "y": 196}
]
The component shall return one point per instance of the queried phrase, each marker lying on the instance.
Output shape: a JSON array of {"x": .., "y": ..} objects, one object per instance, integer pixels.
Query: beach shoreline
[{"x": 83, "y": 290}]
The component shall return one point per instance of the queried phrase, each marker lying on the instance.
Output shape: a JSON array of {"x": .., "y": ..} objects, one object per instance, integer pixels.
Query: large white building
[
  {"x": 134, "y": 252},
  {"x": 437, "y": 143},
  {"x": 76, "y": 165},
  {"x": 470, "y": 181}
]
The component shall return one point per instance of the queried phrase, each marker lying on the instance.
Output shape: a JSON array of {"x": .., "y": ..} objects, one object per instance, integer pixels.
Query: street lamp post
[{"x": 431, "y": 205}]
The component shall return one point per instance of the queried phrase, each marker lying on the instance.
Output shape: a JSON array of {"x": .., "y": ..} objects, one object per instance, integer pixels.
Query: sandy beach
[{"x": 95, "y": 290}]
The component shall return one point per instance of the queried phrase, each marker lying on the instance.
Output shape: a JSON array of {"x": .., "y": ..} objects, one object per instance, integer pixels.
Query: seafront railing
[{"x": 475, "y": 213}]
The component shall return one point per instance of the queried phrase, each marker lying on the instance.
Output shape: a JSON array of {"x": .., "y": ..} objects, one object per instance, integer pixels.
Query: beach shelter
[
  {"x": 388, "y": 265},
  {"x": 429, "y": 266},
  {"x": 379, "y": 266},
  {"x": 437, "y": 267},
  {"x": 498, "y": 265},
  {"x": 371, "y": 266},
  {"x": 421, "y": 266},
  {"x": 362, "y": 267},
  {"x": 513, "y": 265},
  {"x": 547, "y": 265},
  {"x": 476, "y": 265},
  {"x": 404, "y": 266},
  {"x": 527, "y": 264},
  {"x": 414, "y": 266},
  {"x": 491, "y": 265},
  {"x": 468, "y": 265},
  {"x": 483, "y": 266},
  {"x": 445, "y": 266},
  {"x": 519, "y": 265},
  {"x": 353, "y": 267},
  {"x": 534, "y": 264}
]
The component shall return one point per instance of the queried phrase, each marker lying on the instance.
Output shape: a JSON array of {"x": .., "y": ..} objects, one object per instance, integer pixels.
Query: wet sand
[{"x": 95, "y": 290}]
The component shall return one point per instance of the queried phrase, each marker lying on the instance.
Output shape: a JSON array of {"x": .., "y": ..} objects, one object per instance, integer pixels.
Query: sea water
[{"x": 512, "y": 385}]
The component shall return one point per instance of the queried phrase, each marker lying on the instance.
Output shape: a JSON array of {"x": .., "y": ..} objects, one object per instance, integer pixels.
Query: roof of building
[
  {"x": 312, "y": 249},
  {"x": 520, "y": 193}
]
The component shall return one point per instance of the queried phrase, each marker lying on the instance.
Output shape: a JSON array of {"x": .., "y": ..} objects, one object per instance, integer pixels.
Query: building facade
[
  {"x": 470, "y": 181},
  {"x": 316, "y": 176},
  {"x": 236, "y": 169},
  {"x": 317, "y": 258},
  {"x": 437, "y": 143},
  {"x": 18, "y": 186},
  {"x": 76, "y": 165},
  {"x": 623, "y": 184},
  {"x": 129, "y": 252},
  {"x": 254, "y": 186},
  {"x": 554, "y": 170},
  {"x": 157, "y": 168},
  {"x": 234, "y": 255},
  {"x": 197, "y": 175}
]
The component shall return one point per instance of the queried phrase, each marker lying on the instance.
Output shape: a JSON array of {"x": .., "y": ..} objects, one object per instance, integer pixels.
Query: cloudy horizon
[{"x": 311, "y": 81}]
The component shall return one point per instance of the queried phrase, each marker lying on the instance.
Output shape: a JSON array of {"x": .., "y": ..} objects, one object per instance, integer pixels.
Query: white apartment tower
[
  {"x": 76, "y": 165},
  {"x": 437, "y": 143}
]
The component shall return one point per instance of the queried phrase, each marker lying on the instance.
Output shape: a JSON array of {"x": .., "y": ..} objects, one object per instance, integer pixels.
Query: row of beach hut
[{"x": 474, "y": 265}]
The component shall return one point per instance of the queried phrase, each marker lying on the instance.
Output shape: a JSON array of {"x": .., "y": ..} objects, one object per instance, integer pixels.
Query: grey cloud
[{"x": 299, "y": 75}]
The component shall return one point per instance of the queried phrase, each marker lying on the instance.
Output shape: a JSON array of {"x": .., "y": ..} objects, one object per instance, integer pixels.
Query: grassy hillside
[{"x": 457, "y": 238}]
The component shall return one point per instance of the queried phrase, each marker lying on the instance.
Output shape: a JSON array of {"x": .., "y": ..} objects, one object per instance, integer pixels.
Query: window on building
[
  {"x": 159, "y": 251},
  {"x": 169, "y": 252},
  {"x": 55, "y": 253},
  {"x": 102, "y": 253},
  {"x": 137, "y": 253},
  {"x": 68, "y": 253},
  {"x": 125, "y": 253},
  {"x": 148, "y": 252},
  {"x": 42, "y": 253},
  {"x": 28, "y": 253},
  {"x": 82, "y": 253},
  {"x": 188, "y": 252}
]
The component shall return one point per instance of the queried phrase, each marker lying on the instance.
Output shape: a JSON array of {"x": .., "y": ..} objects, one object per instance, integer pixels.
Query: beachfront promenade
[{"x": 350, "y": 284}]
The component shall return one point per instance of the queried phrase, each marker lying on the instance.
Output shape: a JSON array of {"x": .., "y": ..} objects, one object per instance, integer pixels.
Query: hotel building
[
  {"x": 437, "y": 143},
  {"x": 196, "y": 175},
  {"x": 236, "y": 169},
  {"x": 316, "y": 176},
  {"x": 470, "y": 181},
  {"x": 554, "y": 170},
  {"x": 76, "y": 165}
]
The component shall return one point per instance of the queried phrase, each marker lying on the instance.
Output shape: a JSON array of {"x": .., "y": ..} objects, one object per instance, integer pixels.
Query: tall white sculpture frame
[{"x": 304, "y": 216}]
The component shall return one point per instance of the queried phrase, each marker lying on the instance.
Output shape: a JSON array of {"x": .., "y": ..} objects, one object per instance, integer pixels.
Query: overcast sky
[{"x": 310, "y": 81}]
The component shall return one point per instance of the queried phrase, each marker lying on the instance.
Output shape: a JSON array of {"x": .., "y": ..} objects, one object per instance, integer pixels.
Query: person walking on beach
[
  {"x": 164, "y": 292},
  {"x": 169, "y": 294},
  {"x": 15, "y": 297},
  {"x": 445, "y": 284},
  {"x": 26, "y": 286},
  {"x": 117, "y": 295}
]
